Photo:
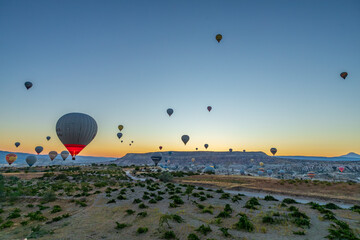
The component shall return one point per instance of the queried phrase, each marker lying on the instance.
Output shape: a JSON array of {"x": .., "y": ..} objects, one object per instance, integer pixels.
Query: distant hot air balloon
[
  {"x": 156, "y": 157},
  {"x": 48, "y": 138},
  {"x": 185, "y": 138},
  {"x": 39, "y": 149},
  {"x": 31, "y": 160},
  {"x": 129, "y": 144},
  {"x": 242, "y": 171},
  {"x": 251, "y": 160},
  {"x": 132, "y": 141},
  {"x": 273, "y": 151},
  {"x": 122, "y": 141},
  {"x": 64, "y": 154},
  {"x": 260, "y": 173},
  {"x": 120, "y": 127},
  {"x": 269, "y": 172},
  {"x": 230, "y": 150},
  {"x": 343, "y": 75},
  {"x": 76, "y": 131},
  {"x": 262, "y": 169},
  {"x": 209, "y": 108},
  {"x": 193, "y": 159},
  {"x": 341, "y": 169},
  {"x": 17, "y": 144},
  {"x": 206, "y": 146},
  {"x": 53, "y": 155},
  {"x": 282, "y": 172},
  {"x": 11, "y": 158},
  {"x": 28, "y": 85},
  {"x": 170, "y": 111},
  {"x": 218, "y": 37},
  {"x": 160, "y": 147},
  {"x": 119, "y": 135},
  {"x": 311, "y": 175},
  {"x": 209, "y": 169},
  {"x": 261, "y": 164},
  {"x": 196, "y": 149}
]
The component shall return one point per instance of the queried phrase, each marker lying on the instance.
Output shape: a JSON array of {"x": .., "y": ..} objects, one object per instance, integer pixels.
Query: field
[
  {"x": 331, "y": 191},
  {"x": 101, "y": 202}
]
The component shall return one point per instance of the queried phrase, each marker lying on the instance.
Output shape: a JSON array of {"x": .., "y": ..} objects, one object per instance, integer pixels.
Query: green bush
[
  {"x": 341, "y": 231},
  {"x": 299, "y": 232},
  {"x": 56, "y": 209},
  {"x": 141, "y": 230},
  {"x": 121, "y": 225},
  {"x": 225, "y": 232},
  {"x": 142, "y": 214},
  {"x": 289, "y": 201},
  {"x": 6, "y": 224},
  {"x": 48, "y": 196},
  {"x": 142, "y": 206},
  {"x": 204, "y": 229},
  {"x": 193, "y": 236},
  {"x": 130, "y": 212},
  {"x": 244, "y": 224},
  {"x": 14, "y": 214},
  {"x": 169, "y": 235},
  {"x": 268, "y": 219},
  {"x": 166, "y": 177},
  {"x": 270, "y": 198},
  {"x": 331, "y": 206},
  {"x": 36, "y": 216}
]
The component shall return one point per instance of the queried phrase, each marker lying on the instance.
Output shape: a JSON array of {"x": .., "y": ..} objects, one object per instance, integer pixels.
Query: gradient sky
[{"x": 273, "y": 81}]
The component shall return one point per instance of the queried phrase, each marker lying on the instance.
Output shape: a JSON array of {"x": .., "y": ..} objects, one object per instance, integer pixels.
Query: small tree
[{"x": 165, "y": 177}]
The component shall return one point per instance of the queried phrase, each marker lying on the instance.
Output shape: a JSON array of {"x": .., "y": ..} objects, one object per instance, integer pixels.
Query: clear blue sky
[{"x": 272, "y": 81}]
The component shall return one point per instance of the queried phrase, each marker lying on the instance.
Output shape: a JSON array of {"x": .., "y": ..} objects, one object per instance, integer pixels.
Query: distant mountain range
[
  {"x": 348, "y": 157},
  {"x": 44, "y": 160}
]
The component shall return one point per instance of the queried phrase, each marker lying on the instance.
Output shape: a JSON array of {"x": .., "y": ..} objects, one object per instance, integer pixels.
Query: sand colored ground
[{"x": 343, "y": 192}]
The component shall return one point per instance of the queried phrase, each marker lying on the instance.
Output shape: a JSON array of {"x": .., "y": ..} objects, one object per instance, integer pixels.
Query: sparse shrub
[
  {"x": 331, "y": 206},
  {"x": 142, "y": 214},
  {"x": 193, "y": 236},
  {"x": 153, "y": 201},
  {"x": 121, "y": 225},
  {"x": 56, "y": 209},
  {"x": 219, "y": 191},
  {"x": 130, "y": 212},
  {"x": 121, "y": 197},
  {"x": 136, "y": 200},
  {"x": 141, "y": 230},
  {"x": 341, "y": 231},
  {"x": 30, "y": 205},
  {"x": 207, "y": 210},
  {"x": 298, "y": 232},
  {"x": 204, "y": 229},
  {"x": 111, "y": 201},
  {"x": 270, "y": 198},
  {"x": 14, "y": 214},
  {"x": 6, "y": 224},
  {"x": 36, "y": 216},
  {"x": 24, "y": 223},
  {"x": 301, "y": 222},
  {"x": 289, "y": 201},
  {"x": 142, "y": 206},
  {"x": 165, "y": 177},
  {"x": 225, "y": 232},
  {"x": 244, "y": 224},
  {"x": 169, "y": 235},
  {"x": 225, "y": 196},
  {"x": 202, "y": 198},
  {"x": 48, "y": 196},
  {"x": 268, "y": 219}
]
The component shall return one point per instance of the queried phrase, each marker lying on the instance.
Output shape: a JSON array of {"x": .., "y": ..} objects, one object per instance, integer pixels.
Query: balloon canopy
[
  {"x": 170, "y": 111},
  {"x": 218, "y": 37},
  {"x": 39, "y": 149},
  {"x": 273, "y": 151},
  {"x": 17, "y": 144},
  {"x": 53, "y": 155},
  {"x": 28, "y": 85},
  {"x": 64, "y": 154},
  {"x": 11, "y": 158},
  {"x": 185, "y": 139},
  {"x": 156, "y": 157},
  {"x": 31, "y": 160}
]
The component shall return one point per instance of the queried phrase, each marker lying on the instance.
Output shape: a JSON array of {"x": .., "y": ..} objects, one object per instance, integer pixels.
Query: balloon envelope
[
  {"x": 341, "y": 169},
  {"x": 39, "y": 149},
  {"x": 53, "y": 155},
  {"x": 119, "y": 135},
  {"x": 17, "y": 144},
  {"x": 160, "y": 147},
  {"x": 31, "y": 160},
  {"x": 28, "y": 85},
  {"x": 11, "y": 158},
  {"x": 343, "y": 75},
  {"x": 206, "y": 146},
  {"x": 64, "y": 154},
  {"x": 120, "y": 127},
  {"x": 193, "y": 159},
  {"x": 170, "y": 111},
  {"x": 260, "y": 173},
  {"x": 156, "y": 157},
  {"x": 261, "y": 164},
  {"x": 311, "y": 175},
  {"x": 230, "y": 150},
  {"x": 282, "y": 172},
  {"x": 185, "y": 138},
  {"x": 76, "y": 131},
  {"x": 48, "y": 138},
  {"x": 273, "y": 151},
  {"x": 218, "y": 37},
  {"x": 209, "y": 108}
]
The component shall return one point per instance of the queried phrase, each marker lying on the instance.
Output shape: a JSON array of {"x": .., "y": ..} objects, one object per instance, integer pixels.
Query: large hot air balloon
[
  {"x": 17, "y": 144},
  {"x": 119, "y": 135},
  {"x": 156, "y": 157},
  {"x": 64, "y": 154},
  {"x": 206, "y": 146},
  {"x": 120, "y": 127},
  {"x": 76, "y": 131},
  {"x": 311, "y": 175},
  {"x": 160, "y": 147},
  {"x": 170, "y": 111},
  {"x": 185, "y": 138},
  {"x": 53, "y": 155},
  {"x": 48, "y": 138},
  {"x": 28, "y": 85},
  {"x": 209, "y": 108},
  {"x": 230, "y": 150},
  {"x": 31, "y": 160},
  {"x": 273, "y": 151},
  {"x": 39, "y": 149},
  {"x": 343, "y": 75},
  {"x": 11, "y": 158},
  {"x": 341, "y": 169},
  {"x": 218, "y": 37}
]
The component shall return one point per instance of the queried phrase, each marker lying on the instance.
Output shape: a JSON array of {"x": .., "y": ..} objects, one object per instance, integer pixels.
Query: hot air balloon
[
  {"x": 48, "y": 138},
  {"x": 31, "y": 160},
  {"x": 251, "y": 160},
  {"x": 185, "y": 138},
  {"x": 273, "y": 151},
  {"x": 28, "y": 85},
  {"x": 282, "y": 172},
  {"x": 311, "y": 175},
  {"x": 242, "y": 171},
  {"x": 218, "y": 37},
  {"x": 261, "y": 164},
  {"x": 262, "y": 169},
  {"x": 209, "y": 108},
  {"x": 120, "y": 127},
  {"x": 53, "y": 155},
  {"x": 132, "y": 141},
  {"x": 160, "y": 147},
  {"x": 129, "y": 144},
  {"x": 260, "y": 173},
  {"x": 39, "y": 149},
  {"x": 119, "y": 135},
  {"x": 17, "y": 144},
  {"x": 230, "y": 150},
  {"x": 269, "y": 172},
  {"x": 11, "y": 158},
  {"x": 122, "y": 141},
  {"x": 341, "y": 169},
  {"x": 170, "y": 111},
  {"x": 156, "y": 157},
  {"x": 343, "y": 75},
  {"x": 64, "y": 154},
  {"x": 209, "y": 169},
  {"x": 196, "y": 149},
  {"x": 76, "y": 131},
  {"x": 193, "y": 159},
  {"x": 206, "y": 146}
]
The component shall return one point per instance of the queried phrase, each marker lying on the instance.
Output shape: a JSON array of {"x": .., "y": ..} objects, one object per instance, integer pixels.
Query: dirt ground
[{"x": 341, "y": 191}]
